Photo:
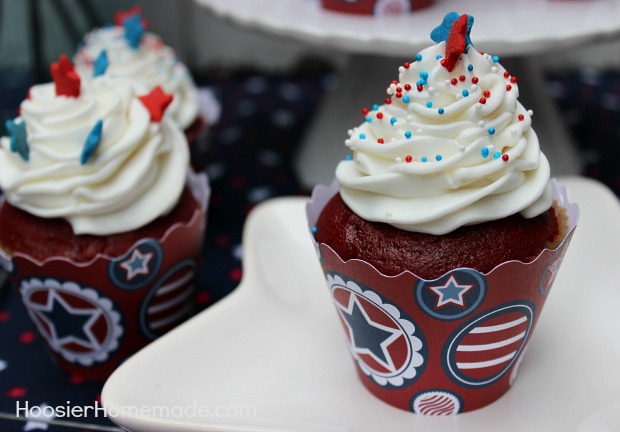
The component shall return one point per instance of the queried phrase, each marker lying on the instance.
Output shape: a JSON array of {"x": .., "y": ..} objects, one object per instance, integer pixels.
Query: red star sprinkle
[
  {"x": 120, "y": 16},
  {"x": 66, "y": 79},
  {"x": 26, "y": 337},
  {"x": 455, "y": 45},
  {"x": 16, "y": 392},
  {"x": 4, "y": 315},
  {"x": 156, "y": 102}
]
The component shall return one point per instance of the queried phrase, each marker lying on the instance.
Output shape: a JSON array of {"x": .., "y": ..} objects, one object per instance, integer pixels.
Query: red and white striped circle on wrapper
[
  {"x": 94, "y": 315},
  {"x": 442, "y": 346}
]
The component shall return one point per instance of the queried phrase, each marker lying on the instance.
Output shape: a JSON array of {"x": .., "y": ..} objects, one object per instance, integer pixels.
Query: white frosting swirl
[
  {"x": 432, "y": 173},
  {"x": 153, "y": 63},
  {"x": 136, "y": 174}
]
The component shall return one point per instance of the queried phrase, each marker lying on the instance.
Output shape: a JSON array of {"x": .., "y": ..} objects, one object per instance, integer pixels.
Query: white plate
[
  {"x": 272, "y": 357},
  {"x": 502, "y": 27}
]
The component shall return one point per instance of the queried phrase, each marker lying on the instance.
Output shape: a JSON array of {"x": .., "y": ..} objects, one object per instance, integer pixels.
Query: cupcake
[
  {"x": 375, "y": 7},
  {"x": 127, "y": 51},
  {"x": 101, "y": 219},
  {"x": 442, "y": 235}
]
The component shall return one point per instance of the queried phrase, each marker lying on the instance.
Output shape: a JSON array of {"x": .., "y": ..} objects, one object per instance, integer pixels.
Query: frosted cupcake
[
  {"x": 127, "y": 51},
  {"x": 443, "y": 234},
  {"x": 101, "y": 220}
]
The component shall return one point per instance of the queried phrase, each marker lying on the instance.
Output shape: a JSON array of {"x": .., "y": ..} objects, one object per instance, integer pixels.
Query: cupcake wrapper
[
  {"x": 375, "y": 7},
  {"x": 442, "y": 346},
  {"x": 94, "y": 315}
]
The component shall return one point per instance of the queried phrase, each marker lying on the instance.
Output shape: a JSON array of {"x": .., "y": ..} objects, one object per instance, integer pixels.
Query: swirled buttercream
[
  {"x": 447, "y": 149},
  {"x": 150, "y": 64},
  {"x": 136, "y": 174}
]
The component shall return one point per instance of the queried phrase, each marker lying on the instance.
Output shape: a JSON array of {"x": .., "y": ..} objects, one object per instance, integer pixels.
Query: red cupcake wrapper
[
  {"x": 375, "y": 7},
  {"x": 442, "y": 346},
  {"x": 94, "y": 315}
]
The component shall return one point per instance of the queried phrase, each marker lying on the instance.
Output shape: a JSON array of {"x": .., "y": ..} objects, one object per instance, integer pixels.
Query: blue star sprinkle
[
  {"x": 100, "y": 65},
  {"x": 92, "y": 142},
  {"x": 442, "y": 31},
  {"x": 19, "y": 138},
  {"x": 133, "y": 30}
]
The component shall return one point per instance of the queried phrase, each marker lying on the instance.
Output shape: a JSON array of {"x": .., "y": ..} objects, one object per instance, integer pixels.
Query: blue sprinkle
[
  {"x": 313, "y": 230},
  {"x": 19, "y": 138},
  {"x": 92, "y": 142},
  {"x": 424, "y": 75},
  {"x": 408, "y": 134},
  {"x": 418, "y": 57},
  {"x": 368, "y": 119},
  {"x": 392, "y": 121},
  {"x": 133, "y": 30},
  {"x": 485, "y": 152},
  {"x": 470, "y": 67},
  {"x": 440, "y": 111},
  {"x": 423, "y": 159},
  {"x": 429, "y": 104},
  {"x": 497, "y": 155},
  {"x": 100, "y": 65},
  {"x": 362, "y": 136},
  {"x": 375, "y": 107},
  {"x": 347, "y": 157},
  {"x": 438, "y": 158},
  {"x": 465, "y": 93},
  {"x": 495, "y": 59},
  {"x": 438, "y": 56},
  {"x": 406, "y": 99},
  {"x": 491, "y": 131}
]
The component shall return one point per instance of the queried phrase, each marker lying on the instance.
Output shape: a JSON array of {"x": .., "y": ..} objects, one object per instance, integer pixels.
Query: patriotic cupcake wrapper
[
  {"x": 442, "y": 346},
  {"x": 92, "y": 316}
]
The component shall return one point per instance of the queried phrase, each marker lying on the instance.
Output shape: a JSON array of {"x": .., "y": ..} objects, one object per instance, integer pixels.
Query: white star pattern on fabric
[
  {"x": 137, "y": 264},
  {"x": 3, "y": 365},
  {"x": 40, "y": 420},
  {"x": 377, "y": 337},
  {"x": 450, "y": 292}
]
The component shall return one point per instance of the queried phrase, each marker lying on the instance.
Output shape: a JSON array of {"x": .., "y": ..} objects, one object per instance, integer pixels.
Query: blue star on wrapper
[
  {"x": 100, "y": 65},
  {"x": 19, "y": 138},
  {"x": 92, "y": 142},
  {"x": 133, "y": 30},
  {"x": 442, "y": 31}
]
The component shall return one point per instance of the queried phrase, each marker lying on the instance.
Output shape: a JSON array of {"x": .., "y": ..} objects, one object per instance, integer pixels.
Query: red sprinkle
[
  {"x": 399, "y": 95},
  {"x": 394, "y": 82},
  {"x": 365, "y": 111},
  {"x": 408, "y": 158},
  {"x": 482, "y": 100},
  {"x": 380, "y": 141},
  {"x": 399, "y": 89},
  {"x": 487, "y": 94},
  {"x": 379, "y": 115},
  {"x": 506, "y": 74},
  {"x": 508, "y": 87},
  {"x": 453, "y": 81},
  {"x": 505, "y": 157},
  {"x": 420, "y": 87},
  {"x": 521, "y": 117},
  {"x": 513, "y": 79},
  {"x": 388, "y": 100},
  {"x": 462, "y": 78},
  {"x": 406, "y": 65},
  {"x": 474, "y": 80},
  {"x": 443, "y": 62},
  {"x": 407, "y": 87}
]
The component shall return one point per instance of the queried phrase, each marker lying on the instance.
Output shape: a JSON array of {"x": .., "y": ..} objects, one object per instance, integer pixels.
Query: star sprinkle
[
  {"x": 456, "y": 43},
  {"x": 134, "y": 29},
  {"x": 100, "y": 65},
  {"x": 156, "y": 102},
  {"x": 92, "y": 142},
  {"x": 19, "y": 138},
  {"x": 121, "y": 16},
  {"x": 442, "y": 31},
  {"x": 66, "y": 79}
]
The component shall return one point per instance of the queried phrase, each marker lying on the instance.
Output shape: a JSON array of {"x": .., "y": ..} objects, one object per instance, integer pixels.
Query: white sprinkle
[
  {"x": 478, "y": 106},
  {"x": 459, "y": 96},
  {"x": 461, "y": 147},
  {"x": 530, "y": 112},
  {"x": 447, "y": 83},
  {"x": 418, "y": 131},
  {"x": 431, "y": 90},
  {"x": 474, "y": 87},
  {"x": 513, "y": 132},
  {"x": 401, "y": 69},
  {"x": 494, "y": 69},
  {"x": 481, "y": 123},
  {"x": 350, "y": 132},
  {"x": 347, "y": 142},
  {"x": 398, "y": 160}
]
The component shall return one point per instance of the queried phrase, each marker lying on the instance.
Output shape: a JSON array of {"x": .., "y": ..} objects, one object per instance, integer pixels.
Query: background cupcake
[
  {"x": 375, "y": 7},
  {"x": 127, "y": 51},
  {"x": 102, "y": 219},
  {"x": 444, "y": 233}
]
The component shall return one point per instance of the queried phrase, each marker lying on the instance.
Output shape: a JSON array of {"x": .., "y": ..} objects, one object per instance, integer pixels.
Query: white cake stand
[{"x": 376, "y": 46}]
